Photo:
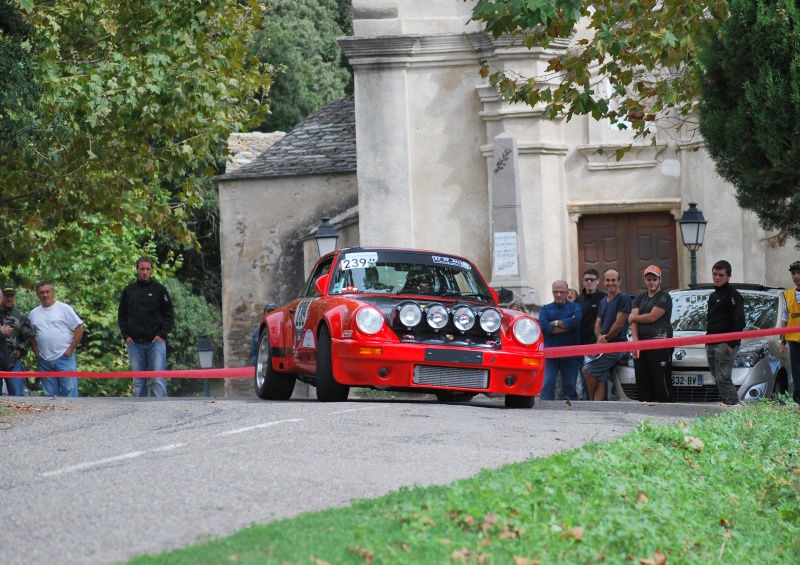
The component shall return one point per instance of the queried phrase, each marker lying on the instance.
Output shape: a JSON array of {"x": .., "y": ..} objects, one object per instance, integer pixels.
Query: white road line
[
  {"x": 170, "y": 447},
  {"x": 124, "y": 456},
  {"x": 257, "y": 426},
  {"x": 354, "y": 410}
]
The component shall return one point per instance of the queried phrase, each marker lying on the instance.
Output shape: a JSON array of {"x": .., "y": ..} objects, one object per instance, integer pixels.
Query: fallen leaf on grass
[
  {"x": 365, "y": 553},
  {"x": 693, "y": 443},
  {"x": 642, "y": 498},
  {"x": 659, "y": 558},
  {"x": 575, "y": 533},
  {"x": 316, "y": 561},
  {"x": 461, "y": 554},
  {"x": 525, "y": 561},
  {"x": 234, "y": 558}
]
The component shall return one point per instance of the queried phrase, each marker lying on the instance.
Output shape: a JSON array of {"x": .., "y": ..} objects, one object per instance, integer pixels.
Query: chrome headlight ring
[
  {"x": 437, "y": 316},
  {"x": 526, "y": 330},
  {"x": 491, "y": 319},
  {"x": 409, "y": 314},
  {"x": 369, "y": 320},
  {"x": 463, "y": 318}
]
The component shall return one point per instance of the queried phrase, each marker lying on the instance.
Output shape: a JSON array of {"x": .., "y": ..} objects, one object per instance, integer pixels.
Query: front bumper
[
  {"x": 752, "y": 383},
  {"x": 431, "y": 368}
]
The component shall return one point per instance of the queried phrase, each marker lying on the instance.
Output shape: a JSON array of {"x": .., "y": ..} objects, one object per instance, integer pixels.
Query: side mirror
[
  {"x": 321, "y": 285},
  {"x": 495, "y": 296}
]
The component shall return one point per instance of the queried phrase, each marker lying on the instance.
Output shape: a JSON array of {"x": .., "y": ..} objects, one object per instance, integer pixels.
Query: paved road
[{"x": 92, "y": 480}]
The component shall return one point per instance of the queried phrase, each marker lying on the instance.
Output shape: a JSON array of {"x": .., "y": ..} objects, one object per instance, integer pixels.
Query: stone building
[{"x": 428, "y": 134}]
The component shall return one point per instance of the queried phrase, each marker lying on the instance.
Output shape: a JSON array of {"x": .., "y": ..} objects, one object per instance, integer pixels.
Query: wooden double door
[{"x": 629, "y": 243}]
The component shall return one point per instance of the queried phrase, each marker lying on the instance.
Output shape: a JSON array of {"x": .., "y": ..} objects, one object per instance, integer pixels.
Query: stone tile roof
[
  {"x": 246, "y": 147},
  {"x": 324, "y": 143}
]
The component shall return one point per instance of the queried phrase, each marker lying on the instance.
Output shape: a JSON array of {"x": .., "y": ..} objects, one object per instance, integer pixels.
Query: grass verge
[{"x": 719, "y": 489}]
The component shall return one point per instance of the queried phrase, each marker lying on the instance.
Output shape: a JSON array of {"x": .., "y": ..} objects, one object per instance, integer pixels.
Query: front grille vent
[{"x": 432, "y": 375}]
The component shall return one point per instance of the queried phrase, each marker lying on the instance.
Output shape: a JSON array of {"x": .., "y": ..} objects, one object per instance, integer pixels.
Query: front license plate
[
  {"x": 687, "y": 380},
  {"x": 454, "y": 356}
]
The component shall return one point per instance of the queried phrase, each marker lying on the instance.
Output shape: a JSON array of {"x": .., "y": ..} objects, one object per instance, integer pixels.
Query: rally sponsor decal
[
  {"x": 452, "y": 261},
  {"x": 308, "y": 339}
]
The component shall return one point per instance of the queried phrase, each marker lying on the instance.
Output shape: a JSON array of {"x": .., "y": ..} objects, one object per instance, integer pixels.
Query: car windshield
[
  {"x": 403, "y": 272},
  {"x": 689, "y": 309}
]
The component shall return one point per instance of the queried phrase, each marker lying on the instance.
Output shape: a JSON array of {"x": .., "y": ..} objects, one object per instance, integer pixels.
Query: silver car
[{"x": 758, "y": 370}]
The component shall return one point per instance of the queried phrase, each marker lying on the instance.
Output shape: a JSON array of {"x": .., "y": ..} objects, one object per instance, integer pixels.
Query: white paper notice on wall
[{"x": 506, "y": 261}]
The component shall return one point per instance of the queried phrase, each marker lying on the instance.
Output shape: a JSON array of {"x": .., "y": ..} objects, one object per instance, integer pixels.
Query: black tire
[
  {"x": 457, "y": 397},
  {"x": 515, "y": 401},
  {"x": 270, "y": 385},
  {"x": 781, "y": 385},
  {"x": 328, "y": 390}
]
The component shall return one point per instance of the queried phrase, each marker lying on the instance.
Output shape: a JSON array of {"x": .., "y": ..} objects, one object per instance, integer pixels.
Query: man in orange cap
[{"x": 650, "y": 319}]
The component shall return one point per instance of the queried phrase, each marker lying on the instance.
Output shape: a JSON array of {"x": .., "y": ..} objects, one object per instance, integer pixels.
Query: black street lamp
[
  {"x": 693, "y": 231},
  {"x": 205, "y": 356},
  {"x": 326, "y": 237}
]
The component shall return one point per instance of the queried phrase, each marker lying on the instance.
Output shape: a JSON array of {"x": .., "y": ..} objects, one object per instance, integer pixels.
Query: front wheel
[
  {"x": 328, "y": 390},
  {"x": 516, "y": 401},
  {"x": 271, "y": 385}
]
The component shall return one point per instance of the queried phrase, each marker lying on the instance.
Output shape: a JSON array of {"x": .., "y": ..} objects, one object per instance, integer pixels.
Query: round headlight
[
  {"x": 526, "y": 331},
  {"x": 369, "y": 320},
  {"x": 463, "y": 318},
  {"x": 410, "y": 314},
  {"x": 437, "y": 316},
  {"x": 491, "y": 320}
]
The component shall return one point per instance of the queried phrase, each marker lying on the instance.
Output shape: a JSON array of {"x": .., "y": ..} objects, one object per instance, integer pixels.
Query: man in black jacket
[
  {"x": 145, "y": 319},
  {"x": 589, "y": 301},
  {"x": 725, "y": 314}
]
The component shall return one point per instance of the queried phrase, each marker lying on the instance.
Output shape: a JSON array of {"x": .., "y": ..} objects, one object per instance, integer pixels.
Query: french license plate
[{"x": 687, "y": 380}]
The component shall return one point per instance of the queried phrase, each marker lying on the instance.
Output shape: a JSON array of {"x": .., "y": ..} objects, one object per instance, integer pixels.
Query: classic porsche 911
[{"x": 403, "y": 320}]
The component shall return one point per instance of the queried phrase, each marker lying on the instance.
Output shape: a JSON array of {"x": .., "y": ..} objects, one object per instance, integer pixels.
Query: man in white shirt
[{"x": 58, "y": 331}]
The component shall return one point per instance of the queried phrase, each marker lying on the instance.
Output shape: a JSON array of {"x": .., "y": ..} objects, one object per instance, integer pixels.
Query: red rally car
[{"x": 398, "y": 319}]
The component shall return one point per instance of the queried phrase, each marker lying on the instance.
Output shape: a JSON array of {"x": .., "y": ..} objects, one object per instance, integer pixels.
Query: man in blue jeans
[
  {"x": 560, "y": 322},
  {"x": 145, "y": 319},
  {"x": 57, "y": 332}
]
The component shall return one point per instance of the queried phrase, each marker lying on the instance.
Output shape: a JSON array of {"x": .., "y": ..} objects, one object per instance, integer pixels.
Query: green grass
[{"x": 720, "y": 489}]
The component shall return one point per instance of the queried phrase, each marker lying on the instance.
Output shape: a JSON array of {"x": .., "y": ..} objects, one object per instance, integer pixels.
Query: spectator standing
[
  {"x": 790, "y": 316},
  {"x": 725, "y": 314},
  {"x": 572, "y": 295},
  {"x": 560, "y": 322},
  {"x": 57, "y": 332},
  {"x": 254, "y": 342},
  {"x": 589, "y": 301},
  {"x": 145, "y": 320},
  {"x": 611, "y": 326},
  {"x": 650, "y": 319},
  {"x": 15, "y": 339}
]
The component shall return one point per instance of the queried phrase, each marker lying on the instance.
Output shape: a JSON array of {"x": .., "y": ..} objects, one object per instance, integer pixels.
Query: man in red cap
[
  {"x": 650, "y": 319},
  {"x": 790, "y": 316}
]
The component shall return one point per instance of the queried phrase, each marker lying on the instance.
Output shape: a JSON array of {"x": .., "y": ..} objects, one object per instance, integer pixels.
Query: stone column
[{"x": 509, "y": 269}]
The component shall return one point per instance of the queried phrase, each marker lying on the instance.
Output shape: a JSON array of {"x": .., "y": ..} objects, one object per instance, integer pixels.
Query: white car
[{"x": 758, "y": 370}]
